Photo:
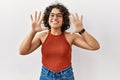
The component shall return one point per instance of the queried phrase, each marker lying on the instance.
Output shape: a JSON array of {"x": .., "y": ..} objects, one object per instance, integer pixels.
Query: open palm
[
  {"x": 36, "y": 22},
  {"x": 77, "y": 21}
]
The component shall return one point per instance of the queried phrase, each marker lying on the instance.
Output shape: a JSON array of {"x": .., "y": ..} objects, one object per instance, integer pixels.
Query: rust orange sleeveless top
[{"x": 56, "y": 52}]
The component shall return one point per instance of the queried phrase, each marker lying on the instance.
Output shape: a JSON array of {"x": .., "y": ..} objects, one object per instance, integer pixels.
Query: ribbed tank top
[{"x": 56, "y": 52}]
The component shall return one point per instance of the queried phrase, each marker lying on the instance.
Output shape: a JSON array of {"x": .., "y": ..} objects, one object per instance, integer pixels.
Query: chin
[{"x": 55, "y": 26}]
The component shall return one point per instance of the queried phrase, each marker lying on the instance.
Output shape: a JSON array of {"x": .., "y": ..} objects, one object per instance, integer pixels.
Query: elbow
[
  {"x": 97, "y": 47},
  {"x": 22, "y": 52}
]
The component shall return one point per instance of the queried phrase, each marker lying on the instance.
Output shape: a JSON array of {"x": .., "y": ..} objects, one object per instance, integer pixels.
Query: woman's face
[{"x": 55, "y": 18}]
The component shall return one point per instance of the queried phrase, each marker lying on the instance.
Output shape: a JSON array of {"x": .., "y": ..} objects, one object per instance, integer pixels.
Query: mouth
[{"x": 55, "y": 22}]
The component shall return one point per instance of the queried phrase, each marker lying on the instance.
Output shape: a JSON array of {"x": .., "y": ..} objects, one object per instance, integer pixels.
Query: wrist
[
  {"x": 33, "y": 31},
  {"x": 82, "y": 31}
]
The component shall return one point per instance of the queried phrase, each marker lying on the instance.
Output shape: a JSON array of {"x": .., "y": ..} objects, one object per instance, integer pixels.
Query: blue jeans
[{"x": 66, "y": 74}]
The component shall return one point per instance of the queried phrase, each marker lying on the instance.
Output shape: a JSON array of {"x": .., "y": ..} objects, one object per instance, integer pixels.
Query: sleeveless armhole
[
  {"x": 67, "y": 40},
  {"x": 47, "y": 35}
]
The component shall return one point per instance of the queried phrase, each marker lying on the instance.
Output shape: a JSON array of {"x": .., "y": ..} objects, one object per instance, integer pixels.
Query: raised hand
[
  {"x": 77, "y": 21},
  {"x": 37, "y": 21}
]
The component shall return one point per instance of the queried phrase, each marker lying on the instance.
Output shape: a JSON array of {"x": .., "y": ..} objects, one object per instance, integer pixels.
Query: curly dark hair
[{"x": 63, "y": 10}]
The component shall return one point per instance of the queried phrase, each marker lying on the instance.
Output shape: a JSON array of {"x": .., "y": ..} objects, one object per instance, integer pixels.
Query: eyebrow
[{"x": 55, "y": 13}]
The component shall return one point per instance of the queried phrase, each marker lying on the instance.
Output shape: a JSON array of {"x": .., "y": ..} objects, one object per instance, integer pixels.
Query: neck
[{"x": 56, "y": 31}]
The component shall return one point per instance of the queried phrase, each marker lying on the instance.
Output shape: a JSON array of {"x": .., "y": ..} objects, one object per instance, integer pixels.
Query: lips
[{"x": 55, "y": 22}]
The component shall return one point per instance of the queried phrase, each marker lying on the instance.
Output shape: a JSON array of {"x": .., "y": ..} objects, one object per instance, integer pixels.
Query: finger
[
  {"x": 77, "y": 17},
  {"x": 35, "y": 15},
  {"x": 39, "y": 16},
  {"x": 72, "y": 17},
  {"x": 31, "y": 17},
  {"x": 81, "y": 18},
  {"x": 42, "y": 16}
]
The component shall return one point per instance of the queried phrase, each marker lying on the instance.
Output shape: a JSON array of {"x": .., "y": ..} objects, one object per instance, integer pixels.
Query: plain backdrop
[{"x": 101, "y": 19}]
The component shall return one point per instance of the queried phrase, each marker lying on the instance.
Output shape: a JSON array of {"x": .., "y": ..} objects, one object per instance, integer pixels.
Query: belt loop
[
  {"x": 61, "y": 72},
  {"x": 53, "y": 74},
  {"x": 47, "y": 73}
]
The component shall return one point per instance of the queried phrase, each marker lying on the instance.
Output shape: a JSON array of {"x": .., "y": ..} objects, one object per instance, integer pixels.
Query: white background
[{"x": 101, "y": 19}]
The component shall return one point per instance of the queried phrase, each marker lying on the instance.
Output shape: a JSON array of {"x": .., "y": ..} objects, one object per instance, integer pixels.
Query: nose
[{"x": 55, "y": 17}]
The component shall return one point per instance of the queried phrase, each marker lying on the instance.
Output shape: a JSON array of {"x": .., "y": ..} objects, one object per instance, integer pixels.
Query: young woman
[{"x": 56, "y": 41}]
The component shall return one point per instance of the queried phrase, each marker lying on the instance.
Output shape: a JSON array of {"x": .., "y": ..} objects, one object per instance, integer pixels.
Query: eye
[
  {"x": 59, "y": 15},
  {"x": 51, "y": 15}
]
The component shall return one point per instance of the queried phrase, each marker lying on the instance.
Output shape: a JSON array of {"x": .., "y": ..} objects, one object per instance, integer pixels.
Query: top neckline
[{"x": 56, "y": 35}]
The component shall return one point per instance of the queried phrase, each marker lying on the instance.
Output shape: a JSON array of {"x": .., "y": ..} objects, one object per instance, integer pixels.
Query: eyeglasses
[{"x": 59, "y": 15}]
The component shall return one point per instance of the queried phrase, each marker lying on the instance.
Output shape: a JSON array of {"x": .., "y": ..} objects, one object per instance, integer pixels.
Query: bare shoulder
[
  {"x": 42, "y": 35},
  {"x": 70, "y": 37}
]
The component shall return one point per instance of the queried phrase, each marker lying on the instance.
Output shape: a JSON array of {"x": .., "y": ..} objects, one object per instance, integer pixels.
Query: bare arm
[
  {"x": 32, "y": 41},
  {"x": 85, "y": 40}
]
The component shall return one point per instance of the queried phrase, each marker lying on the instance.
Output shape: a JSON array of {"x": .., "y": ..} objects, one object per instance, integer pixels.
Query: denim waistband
[{"x": 59, "y": 73}]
